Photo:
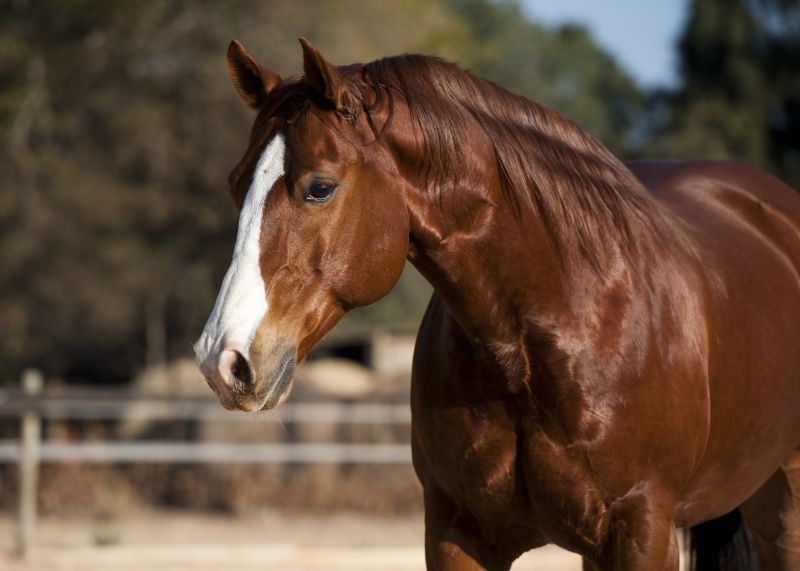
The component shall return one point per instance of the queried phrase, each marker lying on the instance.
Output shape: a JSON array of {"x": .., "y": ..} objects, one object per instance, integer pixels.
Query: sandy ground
[{"x": 178, "y": 541}]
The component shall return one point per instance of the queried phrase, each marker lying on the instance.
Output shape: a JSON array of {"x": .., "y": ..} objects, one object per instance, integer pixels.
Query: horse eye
[{"x": 320, "y": 191}]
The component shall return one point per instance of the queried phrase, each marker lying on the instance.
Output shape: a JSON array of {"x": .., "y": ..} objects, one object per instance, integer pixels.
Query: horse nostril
[{"x": 240, "y": 369}]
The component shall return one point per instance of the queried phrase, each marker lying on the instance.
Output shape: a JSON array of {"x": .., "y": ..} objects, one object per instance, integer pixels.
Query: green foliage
[
  {"x": 740, "y": 96},
  {"x": 119, "y": 126},
  {"x": 561, "y": 68}
]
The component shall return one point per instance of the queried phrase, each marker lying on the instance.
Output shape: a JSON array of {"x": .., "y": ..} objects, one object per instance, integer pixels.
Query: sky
[{"x": 641, "y": 34}]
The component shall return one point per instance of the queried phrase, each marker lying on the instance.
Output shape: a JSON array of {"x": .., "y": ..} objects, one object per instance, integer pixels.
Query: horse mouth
[{"x": 281, "y": 387}]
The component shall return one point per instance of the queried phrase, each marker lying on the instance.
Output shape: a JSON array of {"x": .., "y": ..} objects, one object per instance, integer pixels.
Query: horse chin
[
  {"x": 276, "y": 399},
  {"x": 281, "y": 391},
  {"x": 277, "y": 391}
]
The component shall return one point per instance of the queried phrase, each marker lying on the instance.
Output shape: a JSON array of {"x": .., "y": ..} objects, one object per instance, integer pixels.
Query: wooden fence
[{"x": 32, "y": 405}]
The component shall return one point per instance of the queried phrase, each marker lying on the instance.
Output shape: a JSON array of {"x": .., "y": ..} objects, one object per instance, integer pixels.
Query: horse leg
[
  {"x": 772, "y": 515},
  {"x": 451, "y": 542},
  {"x": 640, "y": 535}
]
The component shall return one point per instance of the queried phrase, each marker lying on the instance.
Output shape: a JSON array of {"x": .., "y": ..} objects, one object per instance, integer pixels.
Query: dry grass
[{"x": 227, "y": 488}]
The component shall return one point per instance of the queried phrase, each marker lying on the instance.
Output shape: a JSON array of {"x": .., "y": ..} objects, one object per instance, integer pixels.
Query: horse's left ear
[{"x": 329, "y": 82}]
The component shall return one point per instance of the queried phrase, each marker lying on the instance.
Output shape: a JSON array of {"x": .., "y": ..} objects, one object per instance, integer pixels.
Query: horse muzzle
[{"x": 260, "y": 382}]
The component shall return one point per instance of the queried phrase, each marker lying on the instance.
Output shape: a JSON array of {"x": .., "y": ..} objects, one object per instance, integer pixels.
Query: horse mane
[{"x": 588, "y": 200}]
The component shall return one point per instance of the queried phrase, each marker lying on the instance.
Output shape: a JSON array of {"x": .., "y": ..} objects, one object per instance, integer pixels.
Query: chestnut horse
[{"x": 612, "y": 350}]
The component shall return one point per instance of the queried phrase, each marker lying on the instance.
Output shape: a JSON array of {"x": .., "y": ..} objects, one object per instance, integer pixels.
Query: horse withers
[{"x": 612, "y": 350}]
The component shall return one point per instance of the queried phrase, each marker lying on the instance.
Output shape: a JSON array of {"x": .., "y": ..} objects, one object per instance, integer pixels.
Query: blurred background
[{"x": 118, "y": 127}]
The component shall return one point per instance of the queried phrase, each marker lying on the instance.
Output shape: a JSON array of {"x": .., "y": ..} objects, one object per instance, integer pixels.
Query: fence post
[{"x": 30, "y": 435}]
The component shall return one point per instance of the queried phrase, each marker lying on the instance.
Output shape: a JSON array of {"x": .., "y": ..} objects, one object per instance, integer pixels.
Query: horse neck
[
  {"x": 503, "y": 283},
  {"x": 491, "y": 266},
  {"x": 495, "y": 262}
]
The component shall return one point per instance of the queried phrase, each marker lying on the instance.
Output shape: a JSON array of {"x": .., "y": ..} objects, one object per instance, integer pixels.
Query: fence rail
[
  {"x": 211, "y": 452},
  {"x": 32, "y": 406},
  {"x": 172, "y": 407}
]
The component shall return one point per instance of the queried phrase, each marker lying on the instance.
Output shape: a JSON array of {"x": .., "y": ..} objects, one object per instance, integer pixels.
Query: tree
[
  {"x": 562, "y": 68},
  {"x": 120, "y": 126},
  {"x": 740, "y": 92}
]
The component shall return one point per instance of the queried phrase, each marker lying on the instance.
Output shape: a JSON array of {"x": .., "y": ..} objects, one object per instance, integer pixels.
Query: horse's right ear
[{"x": 251, "y": 79}]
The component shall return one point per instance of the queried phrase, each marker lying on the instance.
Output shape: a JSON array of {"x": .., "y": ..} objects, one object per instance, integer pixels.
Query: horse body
[
  {"x": 747, "y": 224},
  {"x": 546, "y": 462},
  {"x": 611, "y": 351}
]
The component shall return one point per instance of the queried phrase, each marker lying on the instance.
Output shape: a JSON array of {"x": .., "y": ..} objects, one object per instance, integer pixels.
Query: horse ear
[
  {"x": 251, "y": 79},
  {"x": 329, "y": 81},
  {"x": 322, "y": 76}
]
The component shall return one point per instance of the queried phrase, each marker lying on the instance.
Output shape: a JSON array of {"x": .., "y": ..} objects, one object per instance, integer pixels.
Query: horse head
[{"x": 322, "y": 228}]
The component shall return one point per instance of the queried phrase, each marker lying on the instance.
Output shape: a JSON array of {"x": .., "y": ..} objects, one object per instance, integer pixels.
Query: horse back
[{"x": 748, "y": 195}]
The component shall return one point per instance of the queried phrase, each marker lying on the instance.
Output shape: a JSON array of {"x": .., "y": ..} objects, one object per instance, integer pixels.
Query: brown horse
[{"x": 612, "y": 351}]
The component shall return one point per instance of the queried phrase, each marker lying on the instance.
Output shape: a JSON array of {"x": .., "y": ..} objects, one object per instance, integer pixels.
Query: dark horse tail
[{"x": 722, "y": 544}]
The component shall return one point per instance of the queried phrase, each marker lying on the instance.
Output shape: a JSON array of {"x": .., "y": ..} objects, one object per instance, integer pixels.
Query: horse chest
[
  {"x": 500, "y": 471},
  {"x": 471, "y": 453},
  {"x": 486, "y": 449}
]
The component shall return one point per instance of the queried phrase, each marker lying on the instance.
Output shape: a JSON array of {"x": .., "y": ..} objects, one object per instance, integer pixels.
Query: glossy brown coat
[{"x": 612, "y": 351}]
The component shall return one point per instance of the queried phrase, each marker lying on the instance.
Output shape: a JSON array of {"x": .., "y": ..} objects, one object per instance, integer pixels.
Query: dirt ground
[{"x": 178, "y": 541}]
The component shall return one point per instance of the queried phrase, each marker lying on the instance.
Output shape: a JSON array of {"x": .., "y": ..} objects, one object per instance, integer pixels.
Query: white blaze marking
[{"x": 241, "y": 303}]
